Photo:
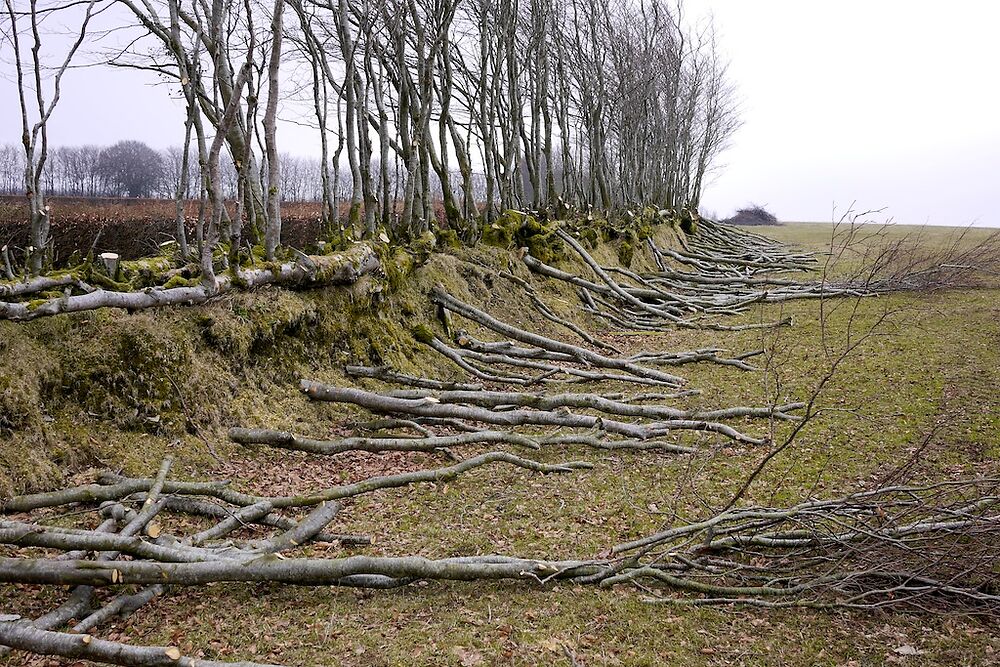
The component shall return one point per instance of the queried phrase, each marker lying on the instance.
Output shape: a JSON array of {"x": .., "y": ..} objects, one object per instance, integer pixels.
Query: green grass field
[{"x": 933, "y": 359}]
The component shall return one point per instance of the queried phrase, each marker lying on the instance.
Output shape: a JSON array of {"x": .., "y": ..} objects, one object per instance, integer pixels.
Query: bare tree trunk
[
  {"x": 182, "y": 188},
  {"x": 272, "y": 234},
  {"x": 347, "y": 49}
]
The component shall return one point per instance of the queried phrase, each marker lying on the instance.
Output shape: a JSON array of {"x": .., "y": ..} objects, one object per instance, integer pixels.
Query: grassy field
[{"x": 932, "y": 359}]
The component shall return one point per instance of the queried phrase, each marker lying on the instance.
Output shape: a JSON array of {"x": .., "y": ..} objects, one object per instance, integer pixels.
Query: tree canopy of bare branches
[{"x": 429, "y": 113}]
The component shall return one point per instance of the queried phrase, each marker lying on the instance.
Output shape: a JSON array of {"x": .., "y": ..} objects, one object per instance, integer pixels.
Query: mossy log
[{"x": 320, "y": 271}]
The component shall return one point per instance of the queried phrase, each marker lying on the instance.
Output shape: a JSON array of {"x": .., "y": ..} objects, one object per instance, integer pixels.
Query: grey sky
[{"x": 885, "y": 103}]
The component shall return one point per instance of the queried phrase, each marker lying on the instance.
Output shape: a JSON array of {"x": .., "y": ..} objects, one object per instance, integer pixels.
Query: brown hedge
[{"x": 133, "y": 228}]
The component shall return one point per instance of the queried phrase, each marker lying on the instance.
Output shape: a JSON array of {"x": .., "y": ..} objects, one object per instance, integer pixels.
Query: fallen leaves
[
  {"x": 467, "y": 657},
  {"x": 907, "y": 650}
]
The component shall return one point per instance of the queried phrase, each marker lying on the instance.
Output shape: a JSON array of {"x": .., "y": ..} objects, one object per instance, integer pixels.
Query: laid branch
[
  {"x": 122, "y": 606},
  {"x": 546, "y": 311},
  {"x": 548, "y": 402},
  {"x": 459, "y": 359},
  {"x": 301, "y": 571},
  {"x": 76, "y": 606},
  {"x": 50, "y": 537},
  {"x": 304, "y": 531},
  {"x": 644, "y": 308},
  {"x": 119, "y": 487},
  {"x": 286, "y": 440},
  {"x": 439, "y": 295},
  {"x": 508, "y": 349},
  {"x": 34, "y": 285},
  {"x": 322, "y": 271},
  {"x": 387, "y": 374},
  {"x": 245, "y": 516},
  {"x": 423, "y": 407},
  {"x": 83, "y": 646},
  {"x": 549, "y": 372}
]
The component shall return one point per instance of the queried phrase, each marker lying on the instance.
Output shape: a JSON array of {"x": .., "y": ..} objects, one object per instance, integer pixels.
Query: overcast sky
[{"x": 885, "y": 104}]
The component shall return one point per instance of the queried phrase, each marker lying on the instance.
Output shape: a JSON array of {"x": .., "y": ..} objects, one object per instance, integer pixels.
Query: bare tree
[
  {"x": 272, "y": 235},
  {"x": 11, "y": 169},
  {"x": 35, "y": 115},
  {"x": 130, "y": 169},
  {"x": 441, "y": 108}
]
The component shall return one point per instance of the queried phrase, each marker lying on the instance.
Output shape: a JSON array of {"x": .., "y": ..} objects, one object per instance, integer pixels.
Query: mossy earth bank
[{"x": 111, "y": 388}]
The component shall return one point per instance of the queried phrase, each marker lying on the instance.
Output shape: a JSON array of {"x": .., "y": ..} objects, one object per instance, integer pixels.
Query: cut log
[
  {"x": 83, "y": 646},
  {"x": 109, "y": 263}
]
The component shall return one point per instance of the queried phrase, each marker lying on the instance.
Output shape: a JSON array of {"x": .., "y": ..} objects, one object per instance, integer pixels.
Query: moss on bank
[
  {"x": 624, "y": 235},
  {"x": 110, "y": 388}
]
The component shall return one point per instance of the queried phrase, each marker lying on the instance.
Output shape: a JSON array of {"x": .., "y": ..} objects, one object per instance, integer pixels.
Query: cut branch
[{"x": 320, "y": 271}]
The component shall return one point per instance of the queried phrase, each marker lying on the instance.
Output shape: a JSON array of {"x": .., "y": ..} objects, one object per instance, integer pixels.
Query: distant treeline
[{"x": 134, "y": 170}]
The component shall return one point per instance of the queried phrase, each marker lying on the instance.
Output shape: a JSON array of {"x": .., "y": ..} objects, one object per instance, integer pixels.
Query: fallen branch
[
  {"x": 286, "y": 440},
  {"x": 322, "y": 271},
  {"x": 439, "y": 295},
  {"x": 83, "y": 646},
  {"x": 386, "y": 374}
]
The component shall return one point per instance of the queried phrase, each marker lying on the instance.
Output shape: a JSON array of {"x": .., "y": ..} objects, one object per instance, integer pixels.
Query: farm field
[{"x": 923, "y": 386}]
